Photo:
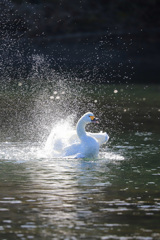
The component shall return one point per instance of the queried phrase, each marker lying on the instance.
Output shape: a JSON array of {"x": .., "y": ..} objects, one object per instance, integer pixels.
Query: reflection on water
[{"x": 113, "y": 197}]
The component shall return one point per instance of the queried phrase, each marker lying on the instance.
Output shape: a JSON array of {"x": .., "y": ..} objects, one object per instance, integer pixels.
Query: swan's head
[{"x": 89, "y": 118}]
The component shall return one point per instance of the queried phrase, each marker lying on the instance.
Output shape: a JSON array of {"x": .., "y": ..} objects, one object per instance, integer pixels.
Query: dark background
[{"x": 105, "y": 40}]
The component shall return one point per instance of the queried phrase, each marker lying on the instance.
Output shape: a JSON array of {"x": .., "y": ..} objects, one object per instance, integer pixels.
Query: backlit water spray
[
  {"x": 49, "y": 103},
  {"x": 43, "y": 96}
]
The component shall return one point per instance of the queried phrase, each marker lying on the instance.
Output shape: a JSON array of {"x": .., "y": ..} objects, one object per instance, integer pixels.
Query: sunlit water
[{"x": 113, "y": 197}]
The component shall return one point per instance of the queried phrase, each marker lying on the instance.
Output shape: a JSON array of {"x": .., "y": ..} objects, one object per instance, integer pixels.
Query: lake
[{"x": 116, "y": 196}]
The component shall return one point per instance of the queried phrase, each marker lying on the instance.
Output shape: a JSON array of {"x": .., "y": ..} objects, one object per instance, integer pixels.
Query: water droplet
[
  {"x": 115, "y": 91},
  {"x": 51, "y": 97}
]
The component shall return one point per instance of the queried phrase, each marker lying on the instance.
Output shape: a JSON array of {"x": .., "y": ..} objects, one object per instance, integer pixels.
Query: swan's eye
[{"x": 92, "y": 117}]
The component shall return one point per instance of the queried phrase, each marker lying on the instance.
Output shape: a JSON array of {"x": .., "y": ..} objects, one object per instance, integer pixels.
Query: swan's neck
[{"x": 81, "y": 129}]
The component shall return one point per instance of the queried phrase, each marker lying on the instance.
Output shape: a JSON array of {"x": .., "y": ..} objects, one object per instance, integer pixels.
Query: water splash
[
  {"x": 111, "y": 156},
  {"x": 42, "y": 92},
  {"x": 17, "y": 152},
  {"x": 60, "y": 137},
  {"x": 26, "y": 152}
]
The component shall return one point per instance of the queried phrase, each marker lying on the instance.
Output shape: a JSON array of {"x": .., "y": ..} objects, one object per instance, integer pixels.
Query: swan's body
[
  {"x": 89, "y": 143},
  {"x": 65, "y": 142}
]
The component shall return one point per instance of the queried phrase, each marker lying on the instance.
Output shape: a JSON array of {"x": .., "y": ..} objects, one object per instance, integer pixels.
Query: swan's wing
[
  {"x": 72, "y": 150},
  {"x": 101, "y": 137},
  {"x": 73, "y": 138},
  {"x": 58, "y": 140}
]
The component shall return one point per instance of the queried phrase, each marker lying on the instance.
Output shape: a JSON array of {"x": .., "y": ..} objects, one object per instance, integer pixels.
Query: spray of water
[
  {"x": 42, "y": 97},
  {"x": 47, "y": 112},
  {"x": 60, "y": 137}
]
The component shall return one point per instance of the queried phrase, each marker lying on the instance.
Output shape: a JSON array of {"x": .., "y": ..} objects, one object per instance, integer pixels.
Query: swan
[{"x": 86, "y": 144}]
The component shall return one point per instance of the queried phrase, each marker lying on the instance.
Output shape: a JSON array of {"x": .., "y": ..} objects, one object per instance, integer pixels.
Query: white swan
[{"x": 87, "y": 145}]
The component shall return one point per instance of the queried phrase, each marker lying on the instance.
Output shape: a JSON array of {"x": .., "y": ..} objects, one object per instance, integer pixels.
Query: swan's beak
[{"x": 94, "y": 120}]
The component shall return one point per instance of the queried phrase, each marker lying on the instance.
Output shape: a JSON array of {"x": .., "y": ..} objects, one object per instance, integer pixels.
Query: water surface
[{"x": 113, "y": 197}]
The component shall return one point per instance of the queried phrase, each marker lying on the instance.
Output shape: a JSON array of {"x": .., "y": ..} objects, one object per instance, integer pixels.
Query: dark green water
[{"x": 116, "y": 196}]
